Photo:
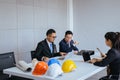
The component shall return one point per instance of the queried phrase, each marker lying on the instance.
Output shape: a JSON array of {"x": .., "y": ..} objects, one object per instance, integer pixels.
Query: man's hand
[
  {"x": 75, "y": 52},
  {"x": 62, "y": 53},
  {"x": 46, "y": 59},
  {"x": 76, "y": 43}
]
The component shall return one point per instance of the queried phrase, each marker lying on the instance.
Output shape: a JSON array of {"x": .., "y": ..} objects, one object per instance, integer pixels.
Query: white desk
[{"x": 84, "y": 70}]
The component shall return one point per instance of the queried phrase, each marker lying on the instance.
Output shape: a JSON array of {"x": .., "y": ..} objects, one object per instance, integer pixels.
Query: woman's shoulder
[{"x": 114, "y": 51}]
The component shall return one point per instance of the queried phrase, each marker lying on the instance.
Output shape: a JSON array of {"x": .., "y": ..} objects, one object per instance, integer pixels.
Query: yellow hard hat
[{"x": 68, "y": 66}]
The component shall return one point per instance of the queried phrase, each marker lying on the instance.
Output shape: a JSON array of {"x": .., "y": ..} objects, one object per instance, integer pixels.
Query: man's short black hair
[
  {"x": 68, "y": 32},
  {"x": 50, "y": 31}
]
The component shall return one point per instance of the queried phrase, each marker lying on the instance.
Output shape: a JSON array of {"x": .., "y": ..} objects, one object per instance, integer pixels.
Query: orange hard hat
[{"x": 40, "y": 68}]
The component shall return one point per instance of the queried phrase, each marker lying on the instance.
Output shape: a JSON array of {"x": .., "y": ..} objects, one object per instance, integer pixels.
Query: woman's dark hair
[
  {"x": 50, "y": 31},
  {"x": 68, "y": 32},
  {"x": 115, "y": 39}
]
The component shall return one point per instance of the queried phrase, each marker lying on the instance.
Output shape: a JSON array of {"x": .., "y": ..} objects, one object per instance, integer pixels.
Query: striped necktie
[{"x": 51, "y": 47}]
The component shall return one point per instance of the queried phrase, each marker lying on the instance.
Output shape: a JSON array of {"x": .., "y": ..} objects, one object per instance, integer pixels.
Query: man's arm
[
  {"x": 39, "y": 51},
  {"x": 62, "y": 47},
  {"x": 58, "y": 53},
  {"x": 74, "y": 46},
  {"x": 55, "y": 51}
]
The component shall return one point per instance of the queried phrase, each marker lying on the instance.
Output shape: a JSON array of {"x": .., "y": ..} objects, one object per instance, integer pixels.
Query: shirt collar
[
  {"x": 66, "y": 42},
  {"x": 48, "y": 42}
]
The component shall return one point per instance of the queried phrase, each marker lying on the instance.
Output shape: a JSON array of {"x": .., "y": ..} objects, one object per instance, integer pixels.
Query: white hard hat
[{"x": 54, "y": 70}]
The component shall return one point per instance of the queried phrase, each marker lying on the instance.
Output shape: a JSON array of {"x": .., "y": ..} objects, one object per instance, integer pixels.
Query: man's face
[
  {"x": 68, "y": 37},
  {"x": 51, "y": 37}
]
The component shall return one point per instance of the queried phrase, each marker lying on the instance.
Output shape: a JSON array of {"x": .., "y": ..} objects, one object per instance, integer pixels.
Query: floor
[{"x": 98, "y": 75}]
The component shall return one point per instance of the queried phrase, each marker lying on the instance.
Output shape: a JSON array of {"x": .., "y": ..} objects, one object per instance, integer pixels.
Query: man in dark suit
[
  {"x": 67, "y": 44},
  {"x": 46, "y": 48}
]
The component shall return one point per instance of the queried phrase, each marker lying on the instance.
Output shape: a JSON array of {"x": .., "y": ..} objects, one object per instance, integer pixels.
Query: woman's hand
[
  {"x": 103, "y": 55},
  {"x": 92, "y": 60},
  {"x": 75, "y": 52},
  {"x": 95, "y": 60}
]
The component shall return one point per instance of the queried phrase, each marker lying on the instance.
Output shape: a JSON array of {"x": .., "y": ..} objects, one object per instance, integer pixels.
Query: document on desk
[{"x": 73, "y": 57}]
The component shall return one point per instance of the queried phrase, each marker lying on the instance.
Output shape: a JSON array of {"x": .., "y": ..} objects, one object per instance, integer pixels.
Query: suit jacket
[
  {"x": 44, "y": 50},
  {"x": 64, "y": 47},
  {"x": 113, "y": 60}
]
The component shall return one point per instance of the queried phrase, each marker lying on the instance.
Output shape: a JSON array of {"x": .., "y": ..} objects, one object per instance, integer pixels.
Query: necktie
[{"x": 51, "y": 47}]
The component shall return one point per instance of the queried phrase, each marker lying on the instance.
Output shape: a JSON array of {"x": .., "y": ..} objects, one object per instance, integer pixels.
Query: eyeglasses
[
  {"x": 53, "y": 37},
  {"x": 68, "y": 37}
]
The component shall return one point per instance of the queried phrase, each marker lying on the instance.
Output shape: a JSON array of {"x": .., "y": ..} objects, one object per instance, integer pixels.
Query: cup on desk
[{"x": 34, "y": 62}]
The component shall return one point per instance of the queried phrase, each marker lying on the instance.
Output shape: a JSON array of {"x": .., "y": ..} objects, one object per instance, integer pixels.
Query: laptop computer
[{"x": 86, "y": 54}]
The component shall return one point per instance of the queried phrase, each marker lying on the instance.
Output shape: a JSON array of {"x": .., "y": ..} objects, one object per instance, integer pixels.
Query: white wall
[
  {"x": 92, "y": 19},
  {"x": 23, "y": 23}
]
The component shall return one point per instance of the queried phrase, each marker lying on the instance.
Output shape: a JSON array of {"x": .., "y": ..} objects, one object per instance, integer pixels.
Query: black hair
[
  {"x": 68, "y": 32},
  {"x": 50, "y": 31},
  {"x": 115, "y": 39}
]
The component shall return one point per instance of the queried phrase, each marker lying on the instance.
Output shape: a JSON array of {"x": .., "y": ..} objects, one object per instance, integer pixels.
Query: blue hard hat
[{"x": 52, "y": 61}]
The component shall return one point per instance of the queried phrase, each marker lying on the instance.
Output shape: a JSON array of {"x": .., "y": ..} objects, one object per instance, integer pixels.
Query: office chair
[
  {"x": 33, "y": 55},
  {"x": 7, "y": 60}
]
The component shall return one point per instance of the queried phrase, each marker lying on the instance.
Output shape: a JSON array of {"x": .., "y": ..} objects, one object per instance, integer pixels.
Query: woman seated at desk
[{"x": 112, "y": 58}]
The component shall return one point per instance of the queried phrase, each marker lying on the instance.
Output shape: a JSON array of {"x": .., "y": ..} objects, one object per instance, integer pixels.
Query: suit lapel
[
  {"x": 47, "y": 47},
  {"x": 54, "y": 48}
]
